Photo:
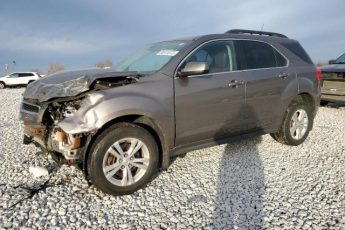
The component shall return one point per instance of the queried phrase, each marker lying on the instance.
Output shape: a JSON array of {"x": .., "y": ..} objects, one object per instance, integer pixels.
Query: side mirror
[
  {"x": 194, "y": 68},
  {"x": 331, "y": 62}
]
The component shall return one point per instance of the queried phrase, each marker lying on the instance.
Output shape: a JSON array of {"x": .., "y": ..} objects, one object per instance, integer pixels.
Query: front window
[
  {"x": 341, "y": 59},
  {"x": 219, "y": 55},
  {"x": 152, "y": 58}
]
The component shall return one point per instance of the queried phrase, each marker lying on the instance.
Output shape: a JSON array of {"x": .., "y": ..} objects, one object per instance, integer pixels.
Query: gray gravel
[{"x": 252, "y": 184}]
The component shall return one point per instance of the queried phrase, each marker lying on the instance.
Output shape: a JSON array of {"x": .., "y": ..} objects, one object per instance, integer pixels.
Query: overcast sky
[{"x": 79, "y": 33}]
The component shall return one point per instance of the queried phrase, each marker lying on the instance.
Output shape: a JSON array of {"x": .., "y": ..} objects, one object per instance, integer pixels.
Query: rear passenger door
[
  {"x": 24, "y": 78},
  {"x": 267, "y": 74}
]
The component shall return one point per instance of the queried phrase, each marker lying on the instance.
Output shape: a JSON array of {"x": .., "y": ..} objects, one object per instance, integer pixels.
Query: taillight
[{"x": 318, "y": 75}]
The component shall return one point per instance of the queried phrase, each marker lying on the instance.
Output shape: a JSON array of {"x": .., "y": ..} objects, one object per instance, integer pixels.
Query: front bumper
[
  {"x": 54, "y": 140},
  {"x": 333, "y": 87},
  {"x": 333, "y": 95},
  {"x": 49, "y": 138}
]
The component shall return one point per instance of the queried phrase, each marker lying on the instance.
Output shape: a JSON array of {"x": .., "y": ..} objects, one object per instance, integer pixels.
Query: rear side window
[
  {"x": 258, "y": 55},
  {"x": 298, "y": 50},
  {"x": 25, "y": 75}
]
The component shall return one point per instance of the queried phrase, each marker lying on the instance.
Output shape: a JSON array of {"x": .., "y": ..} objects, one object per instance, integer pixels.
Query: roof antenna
[{"x": 262, "y": 27}]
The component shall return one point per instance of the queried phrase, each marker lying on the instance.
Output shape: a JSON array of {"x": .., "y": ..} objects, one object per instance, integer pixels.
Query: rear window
[{"x": 298, "y": 50}]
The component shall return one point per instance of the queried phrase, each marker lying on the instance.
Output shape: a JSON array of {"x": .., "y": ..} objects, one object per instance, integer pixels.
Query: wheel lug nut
[
  {"x": 122, "y": 167},
  {"x": 132, "y": 158},
  {"x": 129, "y": 165}
]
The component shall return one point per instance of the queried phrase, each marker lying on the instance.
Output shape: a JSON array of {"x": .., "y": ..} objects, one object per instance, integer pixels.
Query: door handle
[
  {"x": 235, "y": 83},
  {"x": 283, "y": 76}
]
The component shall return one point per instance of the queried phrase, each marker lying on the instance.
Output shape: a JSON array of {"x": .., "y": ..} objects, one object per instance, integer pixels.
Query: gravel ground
[{"x": 256, "y": 183}]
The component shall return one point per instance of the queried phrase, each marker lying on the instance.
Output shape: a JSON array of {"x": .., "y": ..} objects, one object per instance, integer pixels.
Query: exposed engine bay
[{"x": 54, "y": 105}]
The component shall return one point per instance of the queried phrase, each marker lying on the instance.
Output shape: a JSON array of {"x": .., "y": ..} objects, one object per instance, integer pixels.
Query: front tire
[
  {"x": 296, "y": 126},
  {"x": 2, "y": 85},
  {"x": 123, "y": 159}
]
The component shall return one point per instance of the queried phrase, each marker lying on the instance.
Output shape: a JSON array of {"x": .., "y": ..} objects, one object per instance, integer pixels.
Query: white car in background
[{"x": 18, "y": 78}]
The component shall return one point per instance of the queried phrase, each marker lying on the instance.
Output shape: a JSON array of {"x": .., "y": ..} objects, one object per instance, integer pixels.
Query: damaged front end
[
  {"x": 48, "y": 110},
  {"x": 41, "y": 127}
]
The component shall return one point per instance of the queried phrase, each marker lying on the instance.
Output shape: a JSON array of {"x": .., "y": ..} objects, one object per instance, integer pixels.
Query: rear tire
[
  {"x": 297, "y": 123},
  {"x": 123, "y": 159},
  {"x": 2, "y": 85}
]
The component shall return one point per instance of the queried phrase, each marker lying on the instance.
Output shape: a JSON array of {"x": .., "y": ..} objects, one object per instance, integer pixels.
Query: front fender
[{"x": 100, "y": 108}]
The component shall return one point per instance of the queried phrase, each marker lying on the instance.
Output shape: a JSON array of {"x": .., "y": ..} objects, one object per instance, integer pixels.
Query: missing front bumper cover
[
  {"x": 55, "y": 140},
  {"x": 27, "y": 140}
]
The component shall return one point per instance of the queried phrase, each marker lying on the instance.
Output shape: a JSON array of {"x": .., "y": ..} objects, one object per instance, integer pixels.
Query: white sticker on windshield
[{"x": 167, "y": 52}]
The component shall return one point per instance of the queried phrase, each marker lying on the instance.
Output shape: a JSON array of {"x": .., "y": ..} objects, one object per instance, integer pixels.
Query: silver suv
[{"x": 169, "y": 98}]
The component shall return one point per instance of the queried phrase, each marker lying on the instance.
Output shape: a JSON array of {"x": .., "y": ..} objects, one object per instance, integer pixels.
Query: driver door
[
  {"x": 13, "y": 79},
  {"x": 209, "y": 106}
]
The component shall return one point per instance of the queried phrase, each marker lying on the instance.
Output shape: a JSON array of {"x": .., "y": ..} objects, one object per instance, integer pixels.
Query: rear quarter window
[
  {"x": 281, "y": 61},
  {"x": 298, "y": 50}
]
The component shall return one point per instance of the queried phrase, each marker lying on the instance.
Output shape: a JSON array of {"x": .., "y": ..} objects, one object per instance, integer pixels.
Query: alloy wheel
[
  {"x": 126, "y": 161},
  {"x": 299, "y": 124}
]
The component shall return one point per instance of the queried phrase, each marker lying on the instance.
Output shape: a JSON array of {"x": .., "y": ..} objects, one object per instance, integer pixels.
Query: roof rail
[{"x": 256, "y": 32}]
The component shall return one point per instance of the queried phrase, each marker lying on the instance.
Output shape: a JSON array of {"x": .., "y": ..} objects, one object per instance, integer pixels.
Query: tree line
[{"x": 53, "y": 68}]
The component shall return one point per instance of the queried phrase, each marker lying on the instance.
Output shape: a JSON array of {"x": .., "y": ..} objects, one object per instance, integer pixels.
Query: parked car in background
[
  {"x": 120, "y": 125},
  {"x": 18, "y": 78},
  {"x": 333, "y": 81}
]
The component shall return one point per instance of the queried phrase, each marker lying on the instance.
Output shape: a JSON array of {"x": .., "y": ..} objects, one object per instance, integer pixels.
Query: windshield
[
  {"x": 14, "y": 75},
  {"x": 341, "y": 59},
  {"x": 151, "y": 58}
]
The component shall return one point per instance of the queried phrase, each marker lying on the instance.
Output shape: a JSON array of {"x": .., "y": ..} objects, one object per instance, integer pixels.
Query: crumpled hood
[
  {"x": 68, "y": 83},
  {"x": 335, "y": 68}
]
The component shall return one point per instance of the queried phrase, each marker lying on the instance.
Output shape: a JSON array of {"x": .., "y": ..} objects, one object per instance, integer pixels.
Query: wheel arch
[
  {"x": 301, "y": 97},
  {"x": 141, "y": 120},
  {"x": 308, "y": 99}
]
